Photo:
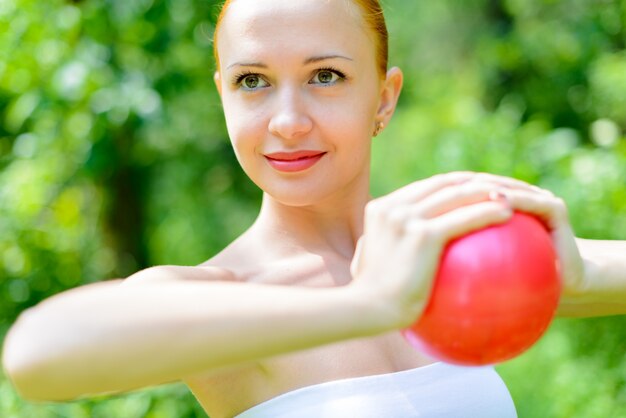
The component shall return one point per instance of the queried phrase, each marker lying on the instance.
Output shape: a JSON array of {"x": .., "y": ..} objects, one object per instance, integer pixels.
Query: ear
[
  {"x": 217, "y": 78},
  {"x": 389, "y": 93}
]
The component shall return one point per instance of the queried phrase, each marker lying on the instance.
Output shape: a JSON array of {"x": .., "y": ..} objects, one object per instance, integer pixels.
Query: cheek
[
  {"x": 245, "y": 133},
  {"x": 244, "y": 125},
  {"x": 352, "y": 119}
]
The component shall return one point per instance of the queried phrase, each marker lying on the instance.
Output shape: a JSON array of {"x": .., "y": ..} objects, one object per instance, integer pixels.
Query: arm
[
  {"x": 604, "y": 291},
  {"x": 116, "y": 336},
  {"x": 593, "y": 271},
  {"x": 155, "y": 328}
]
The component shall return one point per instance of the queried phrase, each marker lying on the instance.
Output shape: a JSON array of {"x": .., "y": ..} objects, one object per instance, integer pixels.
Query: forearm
[
  {"x": 99, "y": 339},
  {"x": 605, "y": 280}
]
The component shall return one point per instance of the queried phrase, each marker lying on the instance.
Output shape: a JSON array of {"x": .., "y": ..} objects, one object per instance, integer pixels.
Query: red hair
[{"x": 373, "y": 16}]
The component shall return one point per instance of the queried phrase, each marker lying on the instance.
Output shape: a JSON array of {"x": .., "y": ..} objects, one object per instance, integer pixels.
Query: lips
[{"x": 293, "y": 161}]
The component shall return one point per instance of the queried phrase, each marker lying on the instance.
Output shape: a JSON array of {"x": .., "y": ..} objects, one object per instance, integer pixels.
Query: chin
[
  {"x": 313, "y": 189},
  {"x": 297, "y": 198}
]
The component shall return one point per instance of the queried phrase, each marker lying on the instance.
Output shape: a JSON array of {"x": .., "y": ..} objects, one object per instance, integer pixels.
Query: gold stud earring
[{"x": 379, "y": 128}]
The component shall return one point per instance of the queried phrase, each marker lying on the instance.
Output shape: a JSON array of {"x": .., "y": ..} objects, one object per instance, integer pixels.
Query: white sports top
[{"x": 437, "y": 390}]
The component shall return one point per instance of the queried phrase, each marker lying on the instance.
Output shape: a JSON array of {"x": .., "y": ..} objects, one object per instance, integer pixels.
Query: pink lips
[{"x": 291, "y": 162}]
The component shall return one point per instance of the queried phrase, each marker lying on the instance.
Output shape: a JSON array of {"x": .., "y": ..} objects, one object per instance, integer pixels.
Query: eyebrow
[{"x": 311, "y": 60}]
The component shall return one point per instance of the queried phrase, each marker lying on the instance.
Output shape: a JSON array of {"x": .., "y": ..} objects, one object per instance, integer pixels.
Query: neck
[{"x": 333, "y": 224}]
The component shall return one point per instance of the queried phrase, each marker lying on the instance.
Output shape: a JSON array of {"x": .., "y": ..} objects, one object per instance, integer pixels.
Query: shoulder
[{"x": 172, "y": 273}]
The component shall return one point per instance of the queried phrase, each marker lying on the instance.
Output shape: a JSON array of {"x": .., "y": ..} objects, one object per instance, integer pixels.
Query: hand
[
  {"x": 405, "y": 232},
  {"x": 553, "y": 212}
]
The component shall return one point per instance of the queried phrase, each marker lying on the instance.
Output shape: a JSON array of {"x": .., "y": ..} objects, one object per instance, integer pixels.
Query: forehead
[{"x": 262, "y": 27}]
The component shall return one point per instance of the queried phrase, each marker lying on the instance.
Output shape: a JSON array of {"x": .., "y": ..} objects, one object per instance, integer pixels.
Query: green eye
[
  {"x": 251, "y": 81},
  {"x": 325, "y": 77}
]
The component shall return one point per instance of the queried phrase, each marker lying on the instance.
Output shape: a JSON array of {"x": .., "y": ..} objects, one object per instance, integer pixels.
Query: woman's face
[{"x": 301, "y": 92}]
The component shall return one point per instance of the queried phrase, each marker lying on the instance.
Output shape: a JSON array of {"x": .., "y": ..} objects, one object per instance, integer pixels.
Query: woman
[{"x": 300, "y": 315}]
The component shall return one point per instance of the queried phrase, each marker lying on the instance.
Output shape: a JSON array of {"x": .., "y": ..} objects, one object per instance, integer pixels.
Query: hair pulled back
[{"x": 373, "y": 17}]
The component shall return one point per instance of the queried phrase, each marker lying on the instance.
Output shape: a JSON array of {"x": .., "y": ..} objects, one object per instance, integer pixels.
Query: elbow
[
  {"x": 29, "y": 366},
  {"x": 27, "y": 385}
]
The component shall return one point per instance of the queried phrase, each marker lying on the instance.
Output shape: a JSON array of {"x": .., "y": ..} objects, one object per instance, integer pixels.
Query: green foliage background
[{"x": 114, "y": 155}]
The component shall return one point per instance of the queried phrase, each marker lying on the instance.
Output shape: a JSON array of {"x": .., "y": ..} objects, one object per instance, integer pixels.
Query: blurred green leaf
[{"x": 114, "y": 155}]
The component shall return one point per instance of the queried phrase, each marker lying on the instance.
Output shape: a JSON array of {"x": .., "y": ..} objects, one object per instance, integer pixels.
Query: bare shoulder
[{"x": 225, "y": 266}]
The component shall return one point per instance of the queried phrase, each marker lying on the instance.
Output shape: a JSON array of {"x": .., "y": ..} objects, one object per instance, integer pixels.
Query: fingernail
[
  {"x": 502, "y": 197},
  {"x": 496, "y": 195}
]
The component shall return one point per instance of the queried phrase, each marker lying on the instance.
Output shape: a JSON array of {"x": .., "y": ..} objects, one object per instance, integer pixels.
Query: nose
[{"x": 290, "y": 119}]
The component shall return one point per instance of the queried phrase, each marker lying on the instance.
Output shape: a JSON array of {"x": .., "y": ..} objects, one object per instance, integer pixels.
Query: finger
[
  {"x": 462, "y": 220},
  {"x": 509, "y": 182},
  {"x": 550, "y": 209},
  {"x": 452, "y": 197},
  {"x": 420, "y": 189}
]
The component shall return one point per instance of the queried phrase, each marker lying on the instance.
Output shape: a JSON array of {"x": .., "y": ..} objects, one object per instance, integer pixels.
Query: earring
[{"x": 379, "y": 128}]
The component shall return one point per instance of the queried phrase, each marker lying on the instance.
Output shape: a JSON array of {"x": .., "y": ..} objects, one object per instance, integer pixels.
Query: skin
[
  {"x": 318, "y": 287},
  {"x": 294, "y": 110}
]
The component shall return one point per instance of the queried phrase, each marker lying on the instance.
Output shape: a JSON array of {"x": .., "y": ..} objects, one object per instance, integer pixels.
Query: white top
[{"x": 438, "y": 390}]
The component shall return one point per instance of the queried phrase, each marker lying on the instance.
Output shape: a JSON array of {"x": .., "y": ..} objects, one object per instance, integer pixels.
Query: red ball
[{"x": 495, "y": 294}]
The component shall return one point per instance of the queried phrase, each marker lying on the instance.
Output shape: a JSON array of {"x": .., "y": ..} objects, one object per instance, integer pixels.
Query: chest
[{"x": 230, "y": 392}]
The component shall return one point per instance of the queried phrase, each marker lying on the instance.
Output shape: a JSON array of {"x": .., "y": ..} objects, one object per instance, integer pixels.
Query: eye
[
  {"x": 326, "y": 76},
  {"x": 251, "y": 81}
]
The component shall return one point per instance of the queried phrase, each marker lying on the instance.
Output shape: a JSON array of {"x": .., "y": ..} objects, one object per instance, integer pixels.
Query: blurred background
[{"x": 114, "y": 156}]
